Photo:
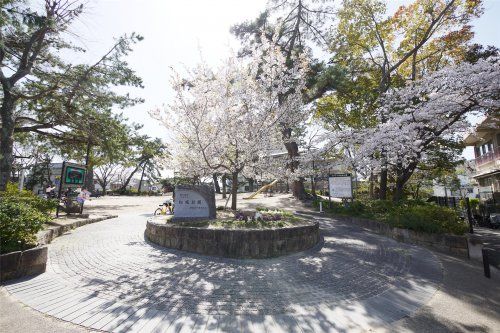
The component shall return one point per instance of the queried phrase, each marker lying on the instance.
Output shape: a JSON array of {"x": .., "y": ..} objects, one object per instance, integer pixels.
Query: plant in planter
[{"x": 22, "y": 215}]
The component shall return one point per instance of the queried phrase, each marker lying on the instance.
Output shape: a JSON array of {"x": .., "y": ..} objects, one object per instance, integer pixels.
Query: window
[
  {"x": 484, "y": 149},
  {"x": 490, "y": 146}
]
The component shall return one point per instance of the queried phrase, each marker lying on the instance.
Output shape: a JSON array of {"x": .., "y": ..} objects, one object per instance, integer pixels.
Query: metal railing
[{"x": 488, "y": 157}]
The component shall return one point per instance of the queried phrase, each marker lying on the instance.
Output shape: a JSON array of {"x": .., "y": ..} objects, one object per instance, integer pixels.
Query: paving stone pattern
[{"x": 107, "y": 277}]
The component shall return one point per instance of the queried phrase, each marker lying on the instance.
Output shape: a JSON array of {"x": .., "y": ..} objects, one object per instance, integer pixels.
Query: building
[
  {"x": 486, "y": 142},
  {"x": 466, "y": 187}
]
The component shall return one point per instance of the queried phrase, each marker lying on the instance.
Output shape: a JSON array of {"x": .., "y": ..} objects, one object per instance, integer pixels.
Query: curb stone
[{"x": 57, "y": 229}]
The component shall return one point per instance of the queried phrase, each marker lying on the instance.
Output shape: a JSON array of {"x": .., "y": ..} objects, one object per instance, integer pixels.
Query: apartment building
[{"x": 486, "y": 142}]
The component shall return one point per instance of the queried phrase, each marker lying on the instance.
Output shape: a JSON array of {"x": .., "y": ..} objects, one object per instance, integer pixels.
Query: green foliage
[
  {"x": 473, "y": 203},
  {"x": 68, "y": 105},
  {"x": 427, "y": 218},
  {"x": 22, "y": 215},
  {"x": 412, "y": 214},
  {"x": 12, "y": 193}
]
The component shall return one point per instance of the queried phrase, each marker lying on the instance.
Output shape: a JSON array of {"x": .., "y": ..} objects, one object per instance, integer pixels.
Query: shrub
[
  {"x": 27, "y": 197},
  {"x": 412, "y": 214},
  {"x": 22, "y": 215},
  {"x": 427, "y": 218},
  {"x": 473, "y": 203}
]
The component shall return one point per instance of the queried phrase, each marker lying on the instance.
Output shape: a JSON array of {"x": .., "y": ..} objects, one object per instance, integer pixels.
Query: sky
[{"x": 180, "y": 33}]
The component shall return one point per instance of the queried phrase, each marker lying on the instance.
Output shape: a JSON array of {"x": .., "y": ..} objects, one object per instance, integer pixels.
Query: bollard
[
  {"x": 486, "y": 263},
  {"x": 321, "y": 206}
]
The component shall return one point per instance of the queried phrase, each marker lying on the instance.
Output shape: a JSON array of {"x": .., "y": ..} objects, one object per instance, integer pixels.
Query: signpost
[
  {"x": 194, "y": 202},
  {"x": 72, "y": 175},
  {"x": 340, "y": 186}
]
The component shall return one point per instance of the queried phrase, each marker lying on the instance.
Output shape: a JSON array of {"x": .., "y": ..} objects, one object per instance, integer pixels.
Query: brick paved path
[{"x": 106, "y": 276}]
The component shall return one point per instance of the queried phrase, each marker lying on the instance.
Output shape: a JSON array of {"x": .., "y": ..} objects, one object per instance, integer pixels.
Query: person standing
[{"x": 82, "y": 196}]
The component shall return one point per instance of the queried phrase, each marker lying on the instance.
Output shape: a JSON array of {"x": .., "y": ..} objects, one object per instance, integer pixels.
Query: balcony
[{"x": 488, "y": 157}]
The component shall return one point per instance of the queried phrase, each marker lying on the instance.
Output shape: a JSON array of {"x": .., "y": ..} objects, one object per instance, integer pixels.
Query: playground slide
[{"x": 263, "y": 188}]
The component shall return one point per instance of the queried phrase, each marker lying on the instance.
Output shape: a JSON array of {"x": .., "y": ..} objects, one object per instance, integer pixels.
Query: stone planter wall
[
  {"x": 453, "y": 244},
  {"x": 23, "y": 263},
  {"x": 234, "y": 243}
]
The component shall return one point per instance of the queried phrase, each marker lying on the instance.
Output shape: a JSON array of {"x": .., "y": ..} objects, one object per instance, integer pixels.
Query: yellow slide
[{"x": 263, "y": 188}]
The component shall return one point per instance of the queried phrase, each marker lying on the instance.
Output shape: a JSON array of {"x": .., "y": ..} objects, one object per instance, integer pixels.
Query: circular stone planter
[{"x": 234, "y": 243}]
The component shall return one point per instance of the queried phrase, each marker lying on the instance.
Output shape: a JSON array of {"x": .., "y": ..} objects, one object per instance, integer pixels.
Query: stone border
[
  {"x": 447, "y": 243},
  {"x": 234, "y": 243},
  {"x": 33, "y": 261},
  {"x": 57, "y": 229},
  {"x": 18, "y": 264}
]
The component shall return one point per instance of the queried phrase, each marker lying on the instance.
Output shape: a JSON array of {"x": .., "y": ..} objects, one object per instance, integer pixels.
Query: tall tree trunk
[
  {"x": 250, "y": 184},
  {"x": 224, "y": 187},
  {"x": 6, "y": 139},
  {"x": 216, "y": 183},
  {"x": 127, "y": 181},
  {"x": 140, "y": 181},
  {"x": 89, "y": 180},
  {"x": 89, "y": 166},
  {"x": 371, "y": 187},
  {"x": 299, "y": 190},
  {"x": 383, "y": 184},
  {"x": 399, "y": 190},
  {"x": 292, "y": 149},
  {"x": 234, "y": 190},
  {"x": 313, "y": 186},
  {"x": 403, "y": 175}
]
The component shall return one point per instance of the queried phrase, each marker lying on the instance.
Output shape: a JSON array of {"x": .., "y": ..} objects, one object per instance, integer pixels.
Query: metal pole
[
  {"x": 329, "y": 192},
  {"x": 61, "y": 181},
  {"x": 486, "y": 263}
]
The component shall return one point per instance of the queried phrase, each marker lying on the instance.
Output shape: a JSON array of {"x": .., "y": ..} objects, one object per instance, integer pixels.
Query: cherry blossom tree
[
  {"x": 227, "y": 119},
  {"x": 421, "y": 115}
]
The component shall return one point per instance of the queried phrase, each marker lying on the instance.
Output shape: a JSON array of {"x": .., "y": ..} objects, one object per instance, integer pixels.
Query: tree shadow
[{"x": 354, "y": 280}]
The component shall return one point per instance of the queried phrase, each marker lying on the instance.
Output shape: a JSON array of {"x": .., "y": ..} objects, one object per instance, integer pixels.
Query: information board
[
  {"x": 74, "y": 175},
  {"x": 340, "y": 185}
]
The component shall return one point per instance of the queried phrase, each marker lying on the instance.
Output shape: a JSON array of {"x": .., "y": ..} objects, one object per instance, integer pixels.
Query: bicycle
[{"x": 165, "y": 208}]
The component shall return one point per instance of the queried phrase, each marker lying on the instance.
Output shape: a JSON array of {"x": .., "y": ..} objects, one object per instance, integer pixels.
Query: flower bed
[{"x": 248, "y": 219}]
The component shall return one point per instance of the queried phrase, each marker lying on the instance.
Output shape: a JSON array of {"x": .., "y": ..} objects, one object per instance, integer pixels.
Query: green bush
[
  {"x": 27, "y": 197},
  {"x": 427, "y": 218},
  {"x": 473, "y": 203},
  {"x": 22, "y": 215},
  {"x": 414, "y": 215}
]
